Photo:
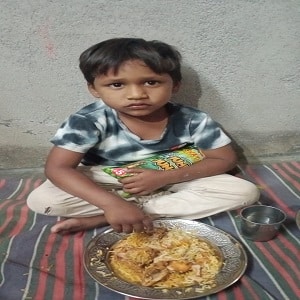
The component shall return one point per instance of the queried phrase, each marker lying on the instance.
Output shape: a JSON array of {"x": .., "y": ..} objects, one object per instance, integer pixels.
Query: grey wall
[{"x": 241, "y": 64}]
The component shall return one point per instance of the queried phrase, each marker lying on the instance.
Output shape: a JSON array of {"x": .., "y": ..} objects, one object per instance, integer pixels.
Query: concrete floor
[{"x": 16, "y": 157}]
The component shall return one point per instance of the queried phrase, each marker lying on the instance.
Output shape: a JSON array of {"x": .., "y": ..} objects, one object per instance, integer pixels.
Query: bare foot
[{"x": 78, "y": 224}]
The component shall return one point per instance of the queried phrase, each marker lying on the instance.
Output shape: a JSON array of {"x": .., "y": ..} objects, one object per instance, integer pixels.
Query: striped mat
[{"x": 35, "y": 264}]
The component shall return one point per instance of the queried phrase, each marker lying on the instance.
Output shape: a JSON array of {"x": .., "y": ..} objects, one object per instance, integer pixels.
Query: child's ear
[
  {"x": 176, "y": 87},
  {"x": 92, "y": 90}
]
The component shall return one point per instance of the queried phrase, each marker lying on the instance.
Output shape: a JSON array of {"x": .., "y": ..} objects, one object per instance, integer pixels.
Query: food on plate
[{"x": 166, "y": 258}]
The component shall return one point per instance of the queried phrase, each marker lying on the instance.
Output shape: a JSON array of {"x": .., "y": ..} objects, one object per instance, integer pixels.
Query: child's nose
[{"x": 135, "y": 92}]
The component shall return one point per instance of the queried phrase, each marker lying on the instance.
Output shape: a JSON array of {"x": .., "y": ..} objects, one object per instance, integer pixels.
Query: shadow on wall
[
  {"x": 190, "y": 90},
  {"x": 201, "y": 94}
]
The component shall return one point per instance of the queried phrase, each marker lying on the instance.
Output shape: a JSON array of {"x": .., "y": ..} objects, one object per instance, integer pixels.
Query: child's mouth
[{"x": 138, "y": 106}]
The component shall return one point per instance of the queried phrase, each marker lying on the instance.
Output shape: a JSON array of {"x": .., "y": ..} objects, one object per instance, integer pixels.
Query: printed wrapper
[{"x": 165, "y": 161}]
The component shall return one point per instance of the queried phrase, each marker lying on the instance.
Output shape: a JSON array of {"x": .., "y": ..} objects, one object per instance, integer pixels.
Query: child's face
[{"x": 135, "y": 89}]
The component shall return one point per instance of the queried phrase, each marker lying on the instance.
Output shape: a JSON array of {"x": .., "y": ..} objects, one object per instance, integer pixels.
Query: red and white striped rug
[{"x": 35, "y": 264}]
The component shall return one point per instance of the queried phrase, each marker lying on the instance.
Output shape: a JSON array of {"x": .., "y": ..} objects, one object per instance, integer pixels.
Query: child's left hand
[{"x": 143, "y": 181}]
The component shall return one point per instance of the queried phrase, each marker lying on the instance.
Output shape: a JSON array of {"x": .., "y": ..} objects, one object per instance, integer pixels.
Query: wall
[{"x": 241, "y": 64}]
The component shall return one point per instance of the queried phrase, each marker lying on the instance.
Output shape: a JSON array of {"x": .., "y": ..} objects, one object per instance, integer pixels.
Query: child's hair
[{"x": 110, "y": 54}]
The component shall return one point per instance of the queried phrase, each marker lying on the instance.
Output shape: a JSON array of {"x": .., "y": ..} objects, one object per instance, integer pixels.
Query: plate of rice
[{"x": 180, "y": 259}]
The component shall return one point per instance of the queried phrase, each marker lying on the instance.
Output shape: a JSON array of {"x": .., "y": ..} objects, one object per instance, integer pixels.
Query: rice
[{"x": 165, "y": 258}]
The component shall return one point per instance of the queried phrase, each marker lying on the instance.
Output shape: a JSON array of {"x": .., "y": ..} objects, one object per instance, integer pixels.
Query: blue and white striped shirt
[{"x": 97, "y": 131}]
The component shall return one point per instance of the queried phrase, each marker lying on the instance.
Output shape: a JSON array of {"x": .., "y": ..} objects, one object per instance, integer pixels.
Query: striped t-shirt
[{"x": 97, "y": 131}]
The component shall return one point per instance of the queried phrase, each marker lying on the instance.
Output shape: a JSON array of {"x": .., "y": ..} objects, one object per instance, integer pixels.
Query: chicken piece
[
  {"x": 154, "y": 273},
  {"x": 127, "y": 270},
  {"x": 179, "y": 266},
  {"x": 196, "y": 269},
  {"x": 141, "y": 256}
]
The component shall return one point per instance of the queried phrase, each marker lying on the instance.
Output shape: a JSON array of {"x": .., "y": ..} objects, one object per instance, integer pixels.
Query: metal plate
[{"x": 234, "y": 256}]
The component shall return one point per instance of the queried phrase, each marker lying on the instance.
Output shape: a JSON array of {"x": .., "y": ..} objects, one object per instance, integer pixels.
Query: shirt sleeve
[
  {"x": 77, "y": 134},
  {"x": 206, "y": 133}
]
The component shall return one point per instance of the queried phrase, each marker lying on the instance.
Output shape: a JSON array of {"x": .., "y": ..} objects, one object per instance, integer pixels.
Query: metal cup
[{"x": 260, "y": 222}]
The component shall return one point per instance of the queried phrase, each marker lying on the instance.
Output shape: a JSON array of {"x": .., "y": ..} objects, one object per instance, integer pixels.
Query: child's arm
[
  {"x": 145, "y": 181},
  {"x": 61, "y": 169}
]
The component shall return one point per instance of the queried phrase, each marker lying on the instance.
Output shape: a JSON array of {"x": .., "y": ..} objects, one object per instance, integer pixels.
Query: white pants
[{"x": 188, "y": 200}]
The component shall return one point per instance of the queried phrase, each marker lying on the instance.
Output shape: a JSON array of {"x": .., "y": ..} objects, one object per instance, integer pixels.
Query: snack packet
[{"x": 165, "y": 161}]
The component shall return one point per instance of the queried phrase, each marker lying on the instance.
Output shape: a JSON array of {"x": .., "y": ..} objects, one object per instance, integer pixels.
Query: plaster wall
[{"x": 241, "y": 63}]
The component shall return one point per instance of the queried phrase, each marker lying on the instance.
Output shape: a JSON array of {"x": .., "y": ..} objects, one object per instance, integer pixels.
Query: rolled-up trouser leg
[
  {"x": 190, "y": 200},
  {"x": 203, "y": 197}
]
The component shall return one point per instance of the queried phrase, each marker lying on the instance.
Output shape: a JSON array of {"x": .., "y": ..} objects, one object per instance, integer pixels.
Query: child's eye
[
  {"x": 115, "y": 85},
  {"x": 151, "y": 82}
]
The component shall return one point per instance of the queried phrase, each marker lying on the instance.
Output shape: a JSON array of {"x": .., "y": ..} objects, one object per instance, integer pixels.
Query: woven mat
[{"x": 35, "y": 264}]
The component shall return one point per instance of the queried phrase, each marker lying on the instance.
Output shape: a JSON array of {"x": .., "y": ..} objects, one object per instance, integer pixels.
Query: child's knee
[
  {"x": 40, "y": 202},
  {"x": 34, "y": 201},
  {"x": 251, "y": 193}
]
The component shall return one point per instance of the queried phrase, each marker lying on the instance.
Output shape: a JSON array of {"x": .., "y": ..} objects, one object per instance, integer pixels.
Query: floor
[{"x": 50, "y": 266}]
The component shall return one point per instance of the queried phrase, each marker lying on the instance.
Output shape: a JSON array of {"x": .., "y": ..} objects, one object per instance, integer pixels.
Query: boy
[{"x": 133, "y": 119}]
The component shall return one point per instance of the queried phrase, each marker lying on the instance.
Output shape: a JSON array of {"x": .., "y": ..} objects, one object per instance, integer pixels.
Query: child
[{"x": 133, "y": 119}]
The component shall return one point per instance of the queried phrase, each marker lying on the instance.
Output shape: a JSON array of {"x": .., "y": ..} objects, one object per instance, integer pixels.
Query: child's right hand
[{"x": 125, "y": 217}]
